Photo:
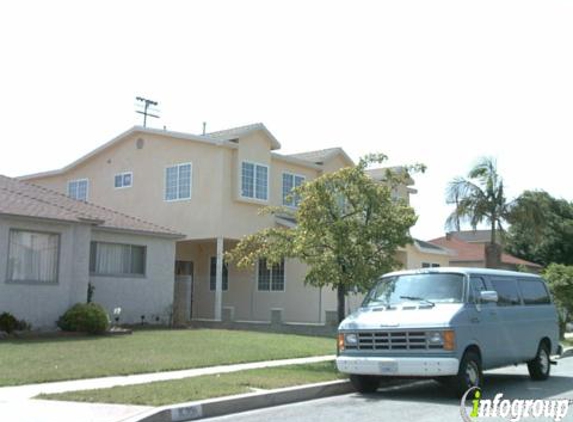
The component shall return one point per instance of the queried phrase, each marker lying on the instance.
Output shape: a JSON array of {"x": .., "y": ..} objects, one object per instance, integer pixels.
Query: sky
[{"x": 441, "y": 83}]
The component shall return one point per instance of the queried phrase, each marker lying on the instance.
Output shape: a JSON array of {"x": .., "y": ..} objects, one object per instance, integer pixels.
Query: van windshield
[{"x": 430, "y": 288}]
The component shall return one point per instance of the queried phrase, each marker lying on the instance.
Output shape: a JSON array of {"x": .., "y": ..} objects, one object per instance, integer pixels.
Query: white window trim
[
  {"x": 254, "y": 198},
  {"x": 271, "y": 281},
  {"x": 77, "y": 181},
  {"x": 190, "y": 182},
  {"x": 123, "y": 174},
  {"x": 294, "y": 175},
  {"x": 222, "y": 289}
]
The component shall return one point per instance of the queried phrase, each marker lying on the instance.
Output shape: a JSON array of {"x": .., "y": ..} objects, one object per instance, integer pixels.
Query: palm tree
[{"x": 480, "y": 199}]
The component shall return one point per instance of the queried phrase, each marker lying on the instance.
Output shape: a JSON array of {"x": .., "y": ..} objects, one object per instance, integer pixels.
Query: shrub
[
  {"x": 85, "y": 317},
  {"x": 9, "y": 323}
]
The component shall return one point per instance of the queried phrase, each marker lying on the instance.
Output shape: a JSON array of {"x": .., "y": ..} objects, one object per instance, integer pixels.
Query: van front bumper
[{"x": 408, "y": 367}]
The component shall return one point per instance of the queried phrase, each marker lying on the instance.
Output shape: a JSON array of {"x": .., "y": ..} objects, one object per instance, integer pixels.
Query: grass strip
[{"x": 207, "y": 386}]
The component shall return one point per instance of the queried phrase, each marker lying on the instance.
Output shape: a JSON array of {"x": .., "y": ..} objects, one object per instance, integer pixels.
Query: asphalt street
[{"x": 421, "y": 401}]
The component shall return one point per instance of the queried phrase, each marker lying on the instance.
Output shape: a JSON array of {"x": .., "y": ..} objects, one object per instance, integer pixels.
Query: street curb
[
  {"x": 240, "y": 403},
  {"x": 567, "y": 352}
]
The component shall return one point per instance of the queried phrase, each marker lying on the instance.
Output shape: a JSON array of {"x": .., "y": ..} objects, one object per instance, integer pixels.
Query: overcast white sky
[{"x": 437, "y": 82}]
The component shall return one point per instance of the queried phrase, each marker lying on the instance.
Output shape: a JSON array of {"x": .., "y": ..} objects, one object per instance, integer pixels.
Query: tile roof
[
  {"x": 481, "y": 236},
  {"x": 475, "y": 252},
  {"x": 26, "y": 199},
  {"x": 236, "y": 132},
  {"x": 318, "y": 156}
]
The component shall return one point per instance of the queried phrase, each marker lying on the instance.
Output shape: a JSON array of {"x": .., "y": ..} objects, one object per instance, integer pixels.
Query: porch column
[{"x": 219, "y": 280}]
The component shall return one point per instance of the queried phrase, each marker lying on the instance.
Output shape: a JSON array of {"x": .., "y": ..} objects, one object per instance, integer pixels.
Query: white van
[{"x": 449, "y": 324}]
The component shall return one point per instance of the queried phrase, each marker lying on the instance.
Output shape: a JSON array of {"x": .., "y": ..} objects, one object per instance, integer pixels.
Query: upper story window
[
  {"x": 291, "y": 181},
  {"x": 117, "y": 259},
  {"x": 33, "y": 256},
  {"x": 254, "y": 181},
  {"x": 430, "y": 264},
  {"x": 78, "y": 189},
  {"x": 178, "y": 182},
  {"x": 271, "y": 278},
  {"x": 123, "y": 180},
  {"x": 213, "y": 274}
]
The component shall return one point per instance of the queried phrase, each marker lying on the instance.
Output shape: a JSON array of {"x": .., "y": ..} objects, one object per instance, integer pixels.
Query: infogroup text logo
[{"x": 513, "y": 410}]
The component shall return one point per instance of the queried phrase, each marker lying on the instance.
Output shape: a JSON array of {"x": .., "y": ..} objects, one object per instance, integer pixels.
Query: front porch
[{"x": 208, "y": 290}]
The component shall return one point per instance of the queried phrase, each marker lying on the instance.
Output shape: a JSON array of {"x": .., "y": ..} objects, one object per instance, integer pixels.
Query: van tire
[
  {"x": 540, "y": 366},
  {"x": 365, "y": 384},
  {"x": 469, "y": 375}
]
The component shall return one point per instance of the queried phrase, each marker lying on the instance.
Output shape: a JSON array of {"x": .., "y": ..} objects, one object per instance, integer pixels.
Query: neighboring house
[
  {"x": 468, "y": 250},
  {"x": 52, "y": 246},
  {"x": 211, "y": 188}
]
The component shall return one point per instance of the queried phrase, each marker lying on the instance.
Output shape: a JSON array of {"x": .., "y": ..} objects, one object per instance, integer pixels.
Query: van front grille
[{"x": 393, "y": 340}]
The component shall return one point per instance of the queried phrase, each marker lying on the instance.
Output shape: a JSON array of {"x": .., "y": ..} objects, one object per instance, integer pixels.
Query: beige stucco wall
[
  {"x": 150, "y": 295},
  {"x": 215, "y": 208},
  {"x": 42, "y": 304},
  {"x": 415, "y": 258}
]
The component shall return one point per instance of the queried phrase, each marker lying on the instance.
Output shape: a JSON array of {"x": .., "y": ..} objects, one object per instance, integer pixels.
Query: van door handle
[{"x": 474, "y": 320}]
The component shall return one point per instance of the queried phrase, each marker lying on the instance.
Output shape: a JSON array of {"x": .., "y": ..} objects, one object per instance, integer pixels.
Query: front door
[{"x": 186, "y": 268}]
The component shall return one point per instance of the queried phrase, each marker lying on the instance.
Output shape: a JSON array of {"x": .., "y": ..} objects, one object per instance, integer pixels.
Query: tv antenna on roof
[{"x": 146, "y": 109}]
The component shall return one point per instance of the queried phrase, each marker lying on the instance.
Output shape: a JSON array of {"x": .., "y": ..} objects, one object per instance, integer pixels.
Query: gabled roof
[
  {"x": 237, "y": 132},
  {"x": 471, "y": 236},
  {"x": 322, "y": 155},
  {"x": 221, "y": 138},
  {"x": 475, "y": 252},
  {"x": 428, "y": 247},
  {"x": 28, "y": 200}
]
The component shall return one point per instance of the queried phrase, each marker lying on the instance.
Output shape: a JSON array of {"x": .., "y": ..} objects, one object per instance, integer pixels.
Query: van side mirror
[{"x": 488, "y": 296}]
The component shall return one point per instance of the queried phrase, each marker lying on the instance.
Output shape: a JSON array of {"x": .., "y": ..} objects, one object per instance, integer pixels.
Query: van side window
[
  {"x": 477, "y": 284},
  {"x": 506, "y": 289},
  {"x": 534, "y": 292}
]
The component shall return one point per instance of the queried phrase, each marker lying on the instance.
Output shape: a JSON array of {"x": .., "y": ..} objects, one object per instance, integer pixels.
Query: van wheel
[
  {"x": 469, "y": 374},
  {"x": 540, "y": 367},
  {"x": 365, "y": 383}
]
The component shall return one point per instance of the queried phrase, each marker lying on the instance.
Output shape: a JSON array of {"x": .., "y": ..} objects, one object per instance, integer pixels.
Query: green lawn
[
  {"x": 41, "y": 360},
  {"x": 203, "y": 387}
]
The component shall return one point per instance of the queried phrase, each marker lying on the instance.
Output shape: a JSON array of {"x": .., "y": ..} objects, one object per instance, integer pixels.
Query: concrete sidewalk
[
  {"x": 17, "y": 405},
  {"x": 28, "y": 391}
]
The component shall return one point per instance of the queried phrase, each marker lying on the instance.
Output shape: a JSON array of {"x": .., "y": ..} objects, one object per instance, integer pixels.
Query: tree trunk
[
  {"x": 492, "y": 255},
  {"x": 341, "y": 294}
]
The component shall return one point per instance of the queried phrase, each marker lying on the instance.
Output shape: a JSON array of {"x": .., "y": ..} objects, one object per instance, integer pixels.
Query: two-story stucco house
[{"x": 211, "y": 187}]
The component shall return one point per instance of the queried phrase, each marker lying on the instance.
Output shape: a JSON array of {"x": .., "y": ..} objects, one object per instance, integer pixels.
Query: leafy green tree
[
  {"x": 541, "y": 229},
  {"x": 348, "y": 229},
  {"x": 480, "y": 198},
  {"x": 560, "y": 280}
]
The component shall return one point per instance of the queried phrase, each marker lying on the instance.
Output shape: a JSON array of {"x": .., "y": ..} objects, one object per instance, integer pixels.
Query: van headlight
[
  {"x": 351, "y": 339},
  {"x": 435, "y": 337}
]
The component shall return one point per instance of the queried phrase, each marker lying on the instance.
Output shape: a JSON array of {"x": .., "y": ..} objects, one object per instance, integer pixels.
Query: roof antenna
[
  {"x": 204, "y": 127},
  {"x": 146, "y": 111}
]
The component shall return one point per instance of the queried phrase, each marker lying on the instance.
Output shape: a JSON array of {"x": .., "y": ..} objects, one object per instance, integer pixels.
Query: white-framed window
[
  {"x": 117, "y": 259},
  {"x": 430, "y": 264},
  {"x": 254, "y": 181},
  {"x": 271, "y": 279},
  {"x": 178, "y": 182},
  {"x": 291, "y": 181},
  {"x": 123, "y": 180},
  {"x": 78, "y": 189},
  {"x": 213, "y": 274},
  {"x": 33, "y": 256}
]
